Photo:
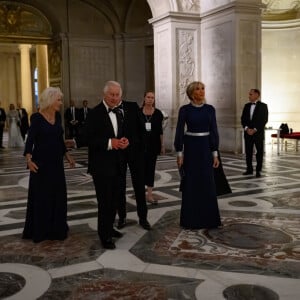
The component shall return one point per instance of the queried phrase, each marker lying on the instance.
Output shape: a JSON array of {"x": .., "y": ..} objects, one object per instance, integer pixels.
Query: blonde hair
[
  {"x": 191, "y": 88},
  {"x": 48, "y": 96}
]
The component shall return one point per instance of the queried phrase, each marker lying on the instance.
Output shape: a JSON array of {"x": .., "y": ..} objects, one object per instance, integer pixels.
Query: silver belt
[{"x": 197, "y": 133}]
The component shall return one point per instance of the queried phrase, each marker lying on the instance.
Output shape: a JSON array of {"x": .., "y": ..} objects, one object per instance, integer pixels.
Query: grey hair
[
  {"x": 48, "y": 96},
  {"x": 110, "y": 83},
  {"x": 191, "y": 88}
]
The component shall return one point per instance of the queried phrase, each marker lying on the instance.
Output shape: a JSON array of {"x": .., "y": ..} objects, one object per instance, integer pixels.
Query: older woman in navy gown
[
  {"x": 46, "y": 216},
  {"x": 197, "y": 155}
]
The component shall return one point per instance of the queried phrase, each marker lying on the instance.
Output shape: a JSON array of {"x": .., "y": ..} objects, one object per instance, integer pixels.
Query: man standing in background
[
  {"x": 72, "y": 120},
  {"x": 24, "y": 123},
  {"x": 2, "y": 124},
  {"x": 254, "y": 118}
]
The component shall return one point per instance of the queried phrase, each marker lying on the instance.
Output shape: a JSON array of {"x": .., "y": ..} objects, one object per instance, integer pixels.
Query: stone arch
[{"x": 160, "y": 7}]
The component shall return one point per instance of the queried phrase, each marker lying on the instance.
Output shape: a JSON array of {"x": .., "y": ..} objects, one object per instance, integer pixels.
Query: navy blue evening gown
[
  {"x": 46, "y": 216},
  {"x": 199, "y": 208}
]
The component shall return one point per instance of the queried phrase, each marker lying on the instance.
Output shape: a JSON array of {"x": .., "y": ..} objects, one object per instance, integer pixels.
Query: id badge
[{"x": 148, "y": 126}]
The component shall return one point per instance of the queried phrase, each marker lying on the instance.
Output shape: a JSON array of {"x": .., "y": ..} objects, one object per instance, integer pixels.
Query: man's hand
[
  {"x": 70, "y": 143},
  {"x": 251, "y": 131},
  {"x": 119, "y": 143}
]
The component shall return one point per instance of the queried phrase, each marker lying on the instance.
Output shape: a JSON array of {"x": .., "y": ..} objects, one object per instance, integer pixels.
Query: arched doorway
[{"x": 87, "y": 44}]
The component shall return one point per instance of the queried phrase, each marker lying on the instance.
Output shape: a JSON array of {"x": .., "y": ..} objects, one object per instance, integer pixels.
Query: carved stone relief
[
  {"x": 17, "y": 19},
  {"x": 54, "y": 57},
  {"x": 190, "y": 5},
  {"x": 281, "y": 9},
  {"x": 186, "y": 59},
  {"x": 163, "y": 65}
]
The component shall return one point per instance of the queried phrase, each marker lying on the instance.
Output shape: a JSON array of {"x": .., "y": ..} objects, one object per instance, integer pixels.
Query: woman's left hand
[
  {"x": 70, "y": 160},
  {"x": 216, "y": 162}
]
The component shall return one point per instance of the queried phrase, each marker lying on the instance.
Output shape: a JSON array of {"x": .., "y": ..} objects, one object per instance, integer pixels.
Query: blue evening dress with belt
[{"x": 199, "y": 208}]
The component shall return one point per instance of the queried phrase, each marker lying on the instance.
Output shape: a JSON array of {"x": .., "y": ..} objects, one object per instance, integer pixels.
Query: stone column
[
  {"x": 231, "y": 62},
  {"x": 42, "y": 67},
  {"x": 177, "y": 63},
  {"x": 26, "y": 78}
]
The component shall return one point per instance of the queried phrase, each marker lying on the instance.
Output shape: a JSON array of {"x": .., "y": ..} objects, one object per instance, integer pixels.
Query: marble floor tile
[{"x": 255, "y": 255}]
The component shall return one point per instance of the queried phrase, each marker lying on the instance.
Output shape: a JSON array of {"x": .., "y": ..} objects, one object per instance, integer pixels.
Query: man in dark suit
[
  {"x": 72, "y": 118},
  {"x": 83, "y": 112},
  {"x": 24, "y": 123},
  {"x": 2, "y": 124},
  {"x": 254, "y": 118},
  {"x": 114, "y": 138}
]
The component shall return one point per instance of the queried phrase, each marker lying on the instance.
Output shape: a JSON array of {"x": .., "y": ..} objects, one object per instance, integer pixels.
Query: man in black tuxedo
[
  {"x": 254, "y": 118},
  {"x": 114, "y": 134},
  {"x": 2, "y": 124},
  {"x": 72, "y": 118},
  {"x": 24, "y": 123}
]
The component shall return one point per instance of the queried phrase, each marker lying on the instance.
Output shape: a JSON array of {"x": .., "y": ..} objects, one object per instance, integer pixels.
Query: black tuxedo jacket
[
  {"x": 259, "y": 118},
  {"x": 98, "y": 131}
]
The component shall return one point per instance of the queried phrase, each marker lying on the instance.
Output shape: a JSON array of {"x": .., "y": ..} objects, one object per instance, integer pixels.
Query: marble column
[
  {"x": 26, "y": 78},
  {"x": 177, "y": 63},
  {"x": 230, "y": 62},
  {"x": 42, "y": 67}
]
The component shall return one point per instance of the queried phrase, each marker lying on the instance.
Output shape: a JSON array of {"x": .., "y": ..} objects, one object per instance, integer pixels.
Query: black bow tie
[
  {"x": 116, "y": 109},
  {"x": 253, "y": 103}
]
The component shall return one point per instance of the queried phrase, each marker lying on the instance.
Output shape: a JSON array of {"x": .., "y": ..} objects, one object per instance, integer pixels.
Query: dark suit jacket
[
  {"x": 99, "y": 130},
  {"x": 259, "y": 118},
  {"x": 24, "y": 126},
  {"x": 2, "y": 117},
  {"x": 69, "y": 116},
  {"x": 81, "y": 115}
]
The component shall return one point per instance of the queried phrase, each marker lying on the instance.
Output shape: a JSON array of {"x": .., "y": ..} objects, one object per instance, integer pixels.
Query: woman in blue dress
[
  {"x": 46, "y": 216},
  {"x": 196, "y": 143}
]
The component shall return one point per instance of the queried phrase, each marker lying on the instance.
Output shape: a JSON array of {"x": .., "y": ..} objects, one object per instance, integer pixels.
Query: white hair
[
  {"x": 48, "y": 96},
  {"x": 110, "y": 83}
]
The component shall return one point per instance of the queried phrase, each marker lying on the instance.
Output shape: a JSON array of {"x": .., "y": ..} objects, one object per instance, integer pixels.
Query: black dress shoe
[
  {"x": 258, "y": 174},
  {"x": 121, "y": 223},
  {"x": 108, "y": 244},
  {"x": 145, "y": 224},
  {"x": 1, "y": 147},
  {"x": 116, "y": 234},
  {"x": 247, "y": 173}
]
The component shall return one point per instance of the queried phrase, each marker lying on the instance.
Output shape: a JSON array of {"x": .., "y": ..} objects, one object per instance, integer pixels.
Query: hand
[
  {"x": 70, "y": 160},
  {"x": 250, "y": 131},
  {"x": 179, "y": 161},
  {"x": 216, "y": 162},
  {"x": 32, "y": 166},
  {"x": 70, "y": 143},
  {"x": 123, "y": 143}
]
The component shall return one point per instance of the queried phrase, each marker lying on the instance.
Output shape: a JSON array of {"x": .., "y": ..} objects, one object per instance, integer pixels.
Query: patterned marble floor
[{"x": 256, "y": 255}]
